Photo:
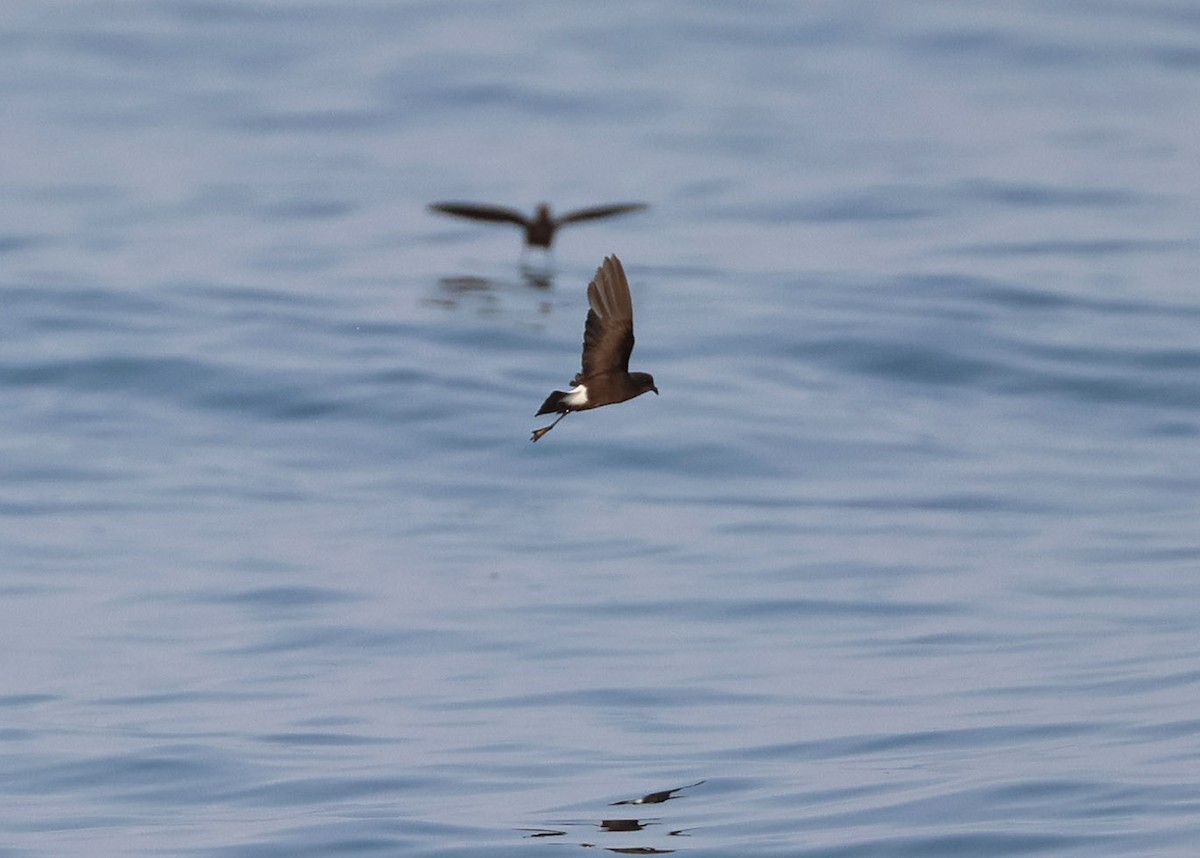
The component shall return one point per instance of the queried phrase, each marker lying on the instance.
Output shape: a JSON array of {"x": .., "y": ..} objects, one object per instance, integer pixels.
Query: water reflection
[
  {"x": 539, "y": 274},
  {"x": 484, "y": 293},
  {"x": 456, "y": 291},
  {"x": 621, "y": 825}
]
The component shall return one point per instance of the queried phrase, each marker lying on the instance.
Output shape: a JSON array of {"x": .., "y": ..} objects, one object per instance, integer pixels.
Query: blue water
[{"x": 905, "y": 559}]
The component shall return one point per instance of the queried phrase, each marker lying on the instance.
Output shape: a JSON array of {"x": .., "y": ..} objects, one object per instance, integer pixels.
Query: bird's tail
[{"x": 554, "y": 404}]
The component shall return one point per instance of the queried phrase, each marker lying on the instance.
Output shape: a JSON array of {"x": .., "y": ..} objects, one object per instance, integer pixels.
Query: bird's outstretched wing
[
  {"x": 608, "y": 333},
  {"x": 656, "y": 797},
  {"x": 475, "y": 211},
  {"x": 594, "y": 212}
]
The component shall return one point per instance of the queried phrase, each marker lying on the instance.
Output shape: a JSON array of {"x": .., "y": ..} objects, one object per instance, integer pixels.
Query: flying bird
[
  {"x": 657, "y": 797},
  {"x": 605, "y": 378},
  {"x": 540, "y": 229}
]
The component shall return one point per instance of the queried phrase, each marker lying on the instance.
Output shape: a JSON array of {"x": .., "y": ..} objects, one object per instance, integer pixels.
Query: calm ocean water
[{"x": 905, "y": 559}]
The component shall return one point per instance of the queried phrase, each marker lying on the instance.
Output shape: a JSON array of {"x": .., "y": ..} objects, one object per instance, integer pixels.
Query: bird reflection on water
[
  {"x": 485, "y": 293},
  {"x": 620, "y": 825}
]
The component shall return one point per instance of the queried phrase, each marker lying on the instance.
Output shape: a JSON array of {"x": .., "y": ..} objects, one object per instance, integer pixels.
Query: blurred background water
[{"x": 903, "y": 561}]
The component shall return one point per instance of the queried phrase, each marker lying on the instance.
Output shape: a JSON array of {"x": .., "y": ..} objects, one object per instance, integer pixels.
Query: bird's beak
[{"x": 655, "y": 389}]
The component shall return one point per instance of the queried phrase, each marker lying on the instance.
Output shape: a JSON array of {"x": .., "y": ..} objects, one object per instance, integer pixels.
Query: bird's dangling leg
[{"x": 538, "y": 433}]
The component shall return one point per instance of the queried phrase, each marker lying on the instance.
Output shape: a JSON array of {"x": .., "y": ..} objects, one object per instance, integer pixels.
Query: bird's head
[{"x": 644, "y": 382}]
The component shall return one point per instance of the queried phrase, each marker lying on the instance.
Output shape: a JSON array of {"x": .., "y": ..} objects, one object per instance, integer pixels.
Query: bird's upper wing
[
  {"x": 594, "y": 212},
  {"x": 481, "y": 212},
  {"x": 608, "y": 333}
]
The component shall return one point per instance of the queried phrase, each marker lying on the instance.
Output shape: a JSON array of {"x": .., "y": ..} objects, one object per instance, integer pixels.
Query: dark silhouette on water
[
  {"x": 620, "y": 826},
  {"x": 605, "y": 378},
  {"x": 540, "y": 229}
]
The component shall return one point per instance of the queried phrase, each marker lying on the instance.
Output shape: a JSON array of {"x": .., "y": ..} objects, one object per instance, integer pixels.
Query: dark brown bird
[
  {"x": 657, "y": 797},
  {"x": 605, "y": 378},
  {"x": 540, "y": 229}
]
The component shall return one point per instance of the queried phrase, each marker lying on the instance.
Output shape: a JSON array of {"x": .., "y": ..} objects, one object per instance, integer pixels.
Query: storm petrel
[
  {"x": 605, "y": 378},
  {"x": 540, "y": 229},
  {"x": 656, "y": 797}
]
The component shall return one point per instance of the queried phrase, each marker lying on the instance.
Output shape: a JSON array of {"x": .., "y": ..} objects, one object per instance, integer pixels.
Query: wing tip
[{"x": 611, "y": 267}]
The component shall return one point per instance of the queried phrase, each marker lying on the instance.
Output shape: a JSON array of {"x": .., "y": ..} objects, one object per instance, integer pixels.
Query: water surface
[{"x": 901, "y": 562}]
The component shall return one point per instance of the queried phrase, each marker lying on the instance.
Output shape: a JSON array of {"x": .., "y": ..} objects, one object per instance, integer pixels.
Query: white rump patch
[{"x": 576, "y": 396}]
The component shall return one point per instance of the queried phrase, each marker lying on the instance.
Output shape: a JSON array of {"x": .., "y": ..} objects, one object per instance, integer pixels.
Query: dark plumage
[
  {"x": 540, "y": 229},
  {"x": 605, "y": 378},
  {"x": 656, "y": 797}
]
